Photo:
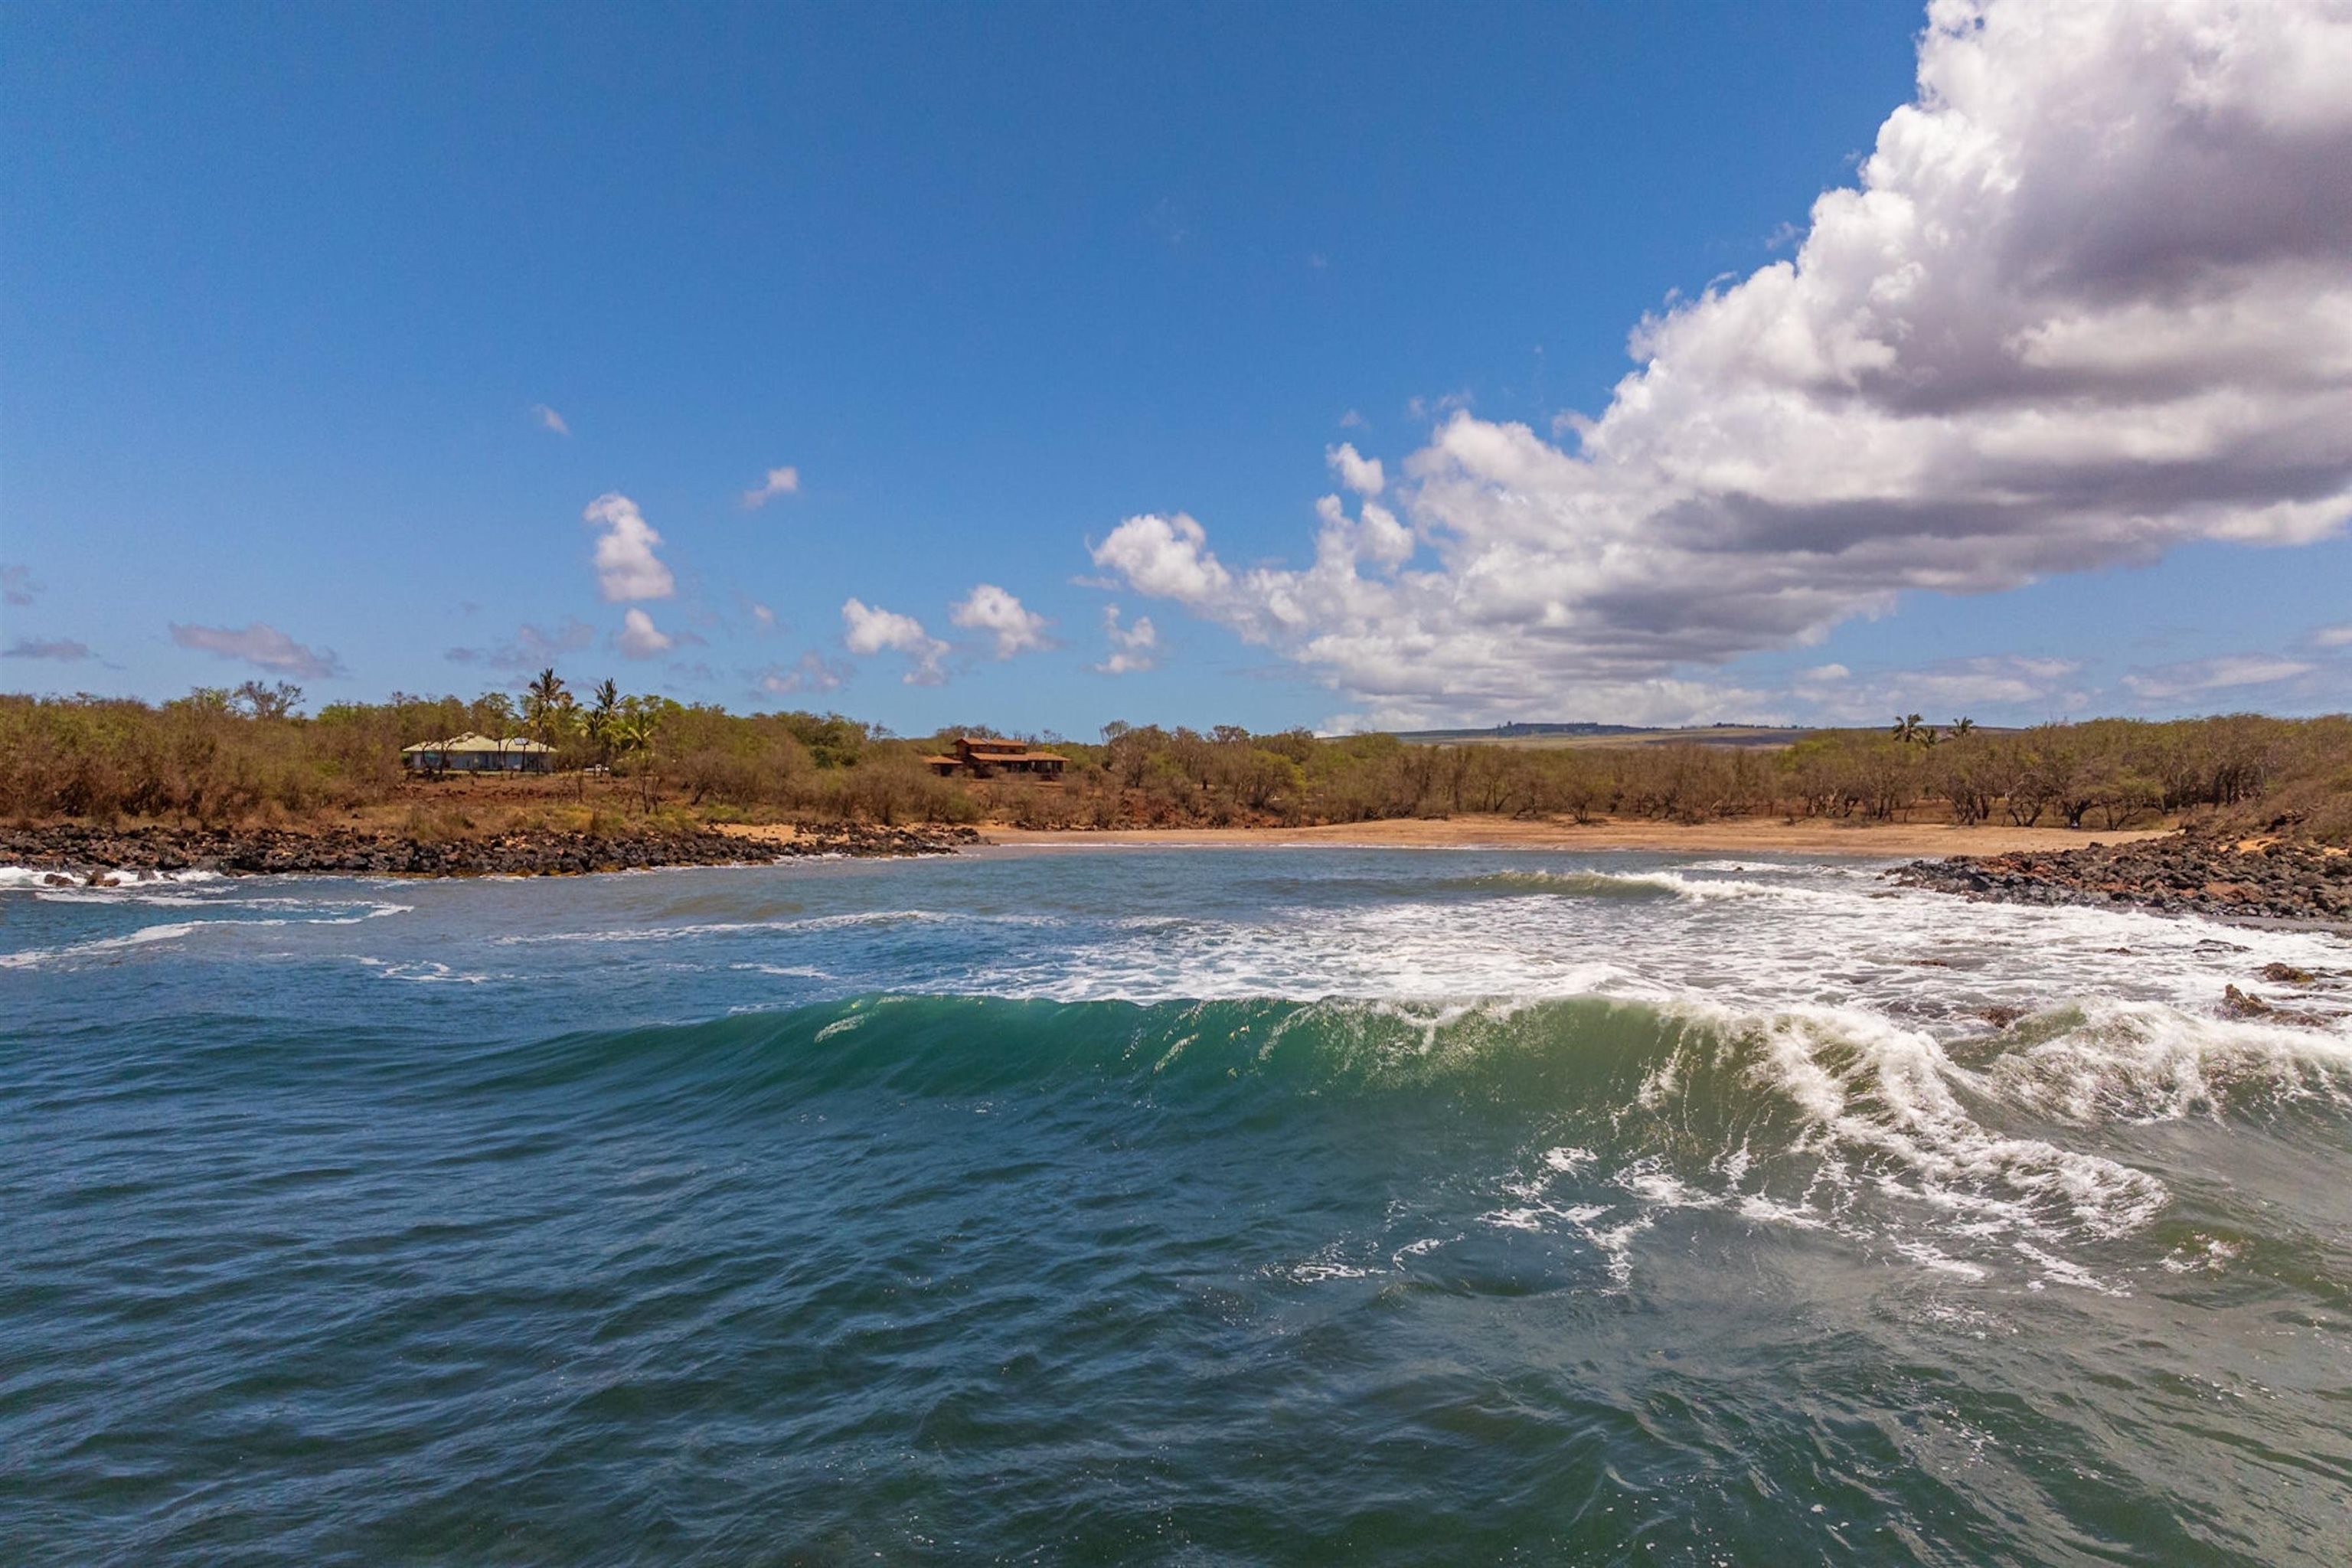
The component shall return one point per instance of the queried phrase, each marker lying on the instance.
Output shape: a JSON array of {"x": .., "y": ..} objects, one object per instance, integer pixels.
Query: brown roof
[{"x": 984, "y": 749}]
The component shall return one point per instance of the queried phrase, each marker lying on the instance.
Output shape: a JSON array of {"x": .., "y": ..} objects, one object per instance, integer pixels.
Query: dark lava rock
[
  {"x": 2238, "y": 1003},
  {"x": 101, "y": 854},
  {"x": 2176, "y": 874}
]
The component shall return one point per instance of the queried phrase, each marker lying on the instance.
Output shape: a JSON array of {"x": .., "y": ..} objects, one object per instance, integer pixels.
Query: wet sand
[{"x": 1747, "y": 835}]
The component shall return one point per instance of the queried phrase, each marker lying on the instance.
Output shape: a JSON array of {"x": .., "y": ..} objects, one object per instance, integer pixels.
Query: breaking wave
[{"x": 1593, "y": 1116}]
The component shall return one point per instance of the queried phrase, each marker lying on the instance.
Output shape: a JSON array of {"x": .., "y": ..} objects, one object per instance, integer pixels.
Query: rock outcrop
[
  {"x": 2278, "y": 880},
  {"x": 79, "y": 852}
]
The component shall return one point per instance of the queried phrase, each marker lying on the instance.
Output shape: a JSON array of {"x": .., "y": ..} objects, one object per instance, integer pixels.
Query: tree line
[{"x": 222, "y": 755}]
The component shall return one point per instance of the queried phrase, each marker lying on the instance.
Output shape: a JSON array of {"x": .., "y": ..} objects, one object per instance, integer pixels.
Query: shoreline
[
  {"x": 70, "y": 854},
  {"x": 1737, "y": 836},
  {"x": 80, "y": 853}
]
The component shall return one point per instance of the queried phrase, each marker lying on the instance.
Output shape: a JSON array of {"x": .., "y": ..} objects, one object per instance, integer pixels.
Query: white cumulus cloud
[
  {"x": 2088, "y": 299},
  {"x": 869, "y": 629},
  {"x": 550, "y": 420},
  {"x": 784, "y": 482},
  {"x": 1359, "y": 473},
  {"x": 989, "y": 608},
  {"x": 626, "y": 566},
  {"x": 1134, "y": 646},
  {"x": 640, "y": 638}
]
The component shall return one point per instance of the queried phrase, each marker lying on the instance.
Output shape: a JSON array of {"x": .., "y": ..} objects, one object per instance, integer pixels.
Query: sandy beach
[{"x": 1747, "y": 835}]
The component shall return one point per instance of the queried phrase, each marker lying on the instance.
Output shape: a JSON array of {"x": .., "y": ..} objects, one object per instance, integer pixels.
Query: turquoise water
[{"x": 1187, "y": 1207}]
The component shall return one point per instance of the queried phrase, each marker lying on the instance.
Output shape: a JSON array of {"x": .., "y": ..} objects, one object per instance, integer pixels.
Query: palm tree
[
  {"x": 1908, "y": 729},
  {"x": 544, "y": 704},
  {"x": 633, "y": 731},
  {"x": 602, "y": 716},
  {"x": 1963, "y": 726}
]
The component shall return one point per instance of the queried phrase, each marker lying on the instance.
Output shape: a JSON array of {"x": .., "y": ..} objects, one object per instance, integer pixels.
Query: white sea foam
[
  {"x": 1890, "y": 1138},
  {"x": 1892, "y": 1096},
  {"x": 425, "y": 972},
  {"x": 102, "y": 949},
  {"x": 99, "y": 948},
  {"x": 846, "y": 922},
  {"x": 30, "y": 877},
  {"x": 2147, "y": 1062}
]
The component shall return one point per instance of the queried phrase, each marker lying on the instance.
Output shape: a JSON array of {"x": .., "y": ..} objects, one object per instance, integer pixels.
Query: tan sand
[
  {"x": 1747, "y": 835},
  {"x": 758, "y": 832}
]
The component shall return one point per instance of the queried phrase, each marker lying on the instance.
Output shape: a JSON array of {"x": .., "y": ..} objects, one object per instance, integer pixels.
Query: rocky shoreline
[
  {"x": 2275, "y": 880},
  {"x": 79, "y": 855}
]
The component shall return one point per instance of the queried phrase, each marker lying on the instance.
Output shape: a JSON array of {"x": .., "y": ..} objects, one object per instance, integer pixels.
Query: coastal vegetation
[{"x": 253, "y": 755}]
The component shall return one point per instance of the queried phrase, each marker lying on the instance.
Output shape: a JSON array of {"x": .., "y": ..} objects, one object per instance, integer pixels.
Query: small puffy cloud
[
  {"x": 869, "y": 629},
  {"x": 1133, "y": 647},
  {"x": 1352, "y": 420},
  {"x": 1169, "y": 558},
  {"x": 989, "y": 608},
  {"x": 640, "y": 638},
  {"x": 784, "y": 482},
  {"x": 532, "y": 647},
  {"x": 2332, "y": 637},
  {"x": 1360, "y": 474},
  {"x": 264, "y": 647},
  {"x": 2198, "y": 677},
  {"x": 812, "y": 672},
  {"x": 2086, "y": 302},
  {"x": 17, "y": 585},
  {"x": 626, "y": 566},
  {"x": 762, "y": 618},
  {"x": 63, "y": 650},
  {"x": 550, "y": 420}
]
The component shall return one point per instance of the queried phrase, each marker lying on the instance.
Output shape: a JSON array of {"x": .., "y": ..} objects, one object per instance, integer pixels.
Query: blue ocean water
[{"x": 1199, "y": 1206}]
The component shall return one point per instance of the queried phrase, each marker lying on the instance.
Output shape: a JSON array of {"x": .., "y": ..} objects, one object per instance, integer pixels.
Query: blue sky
[{"x": 324, "y": 326}]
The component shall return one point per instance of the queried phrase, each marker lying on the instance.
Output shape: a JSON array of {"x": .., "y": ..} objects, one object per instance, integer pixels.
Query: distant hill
[{"x": 1550, "y": 735}]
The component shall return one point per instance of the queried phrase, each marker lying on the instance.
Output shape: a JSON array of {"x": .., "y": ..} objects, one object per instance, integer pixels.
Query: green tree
[{"x": 636, "y": 729}]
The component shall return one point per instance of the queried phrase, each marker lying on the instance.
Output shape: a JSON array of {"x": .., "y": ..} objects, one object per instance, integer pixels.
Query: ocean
[{"x": 1201, "y": 1205}]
